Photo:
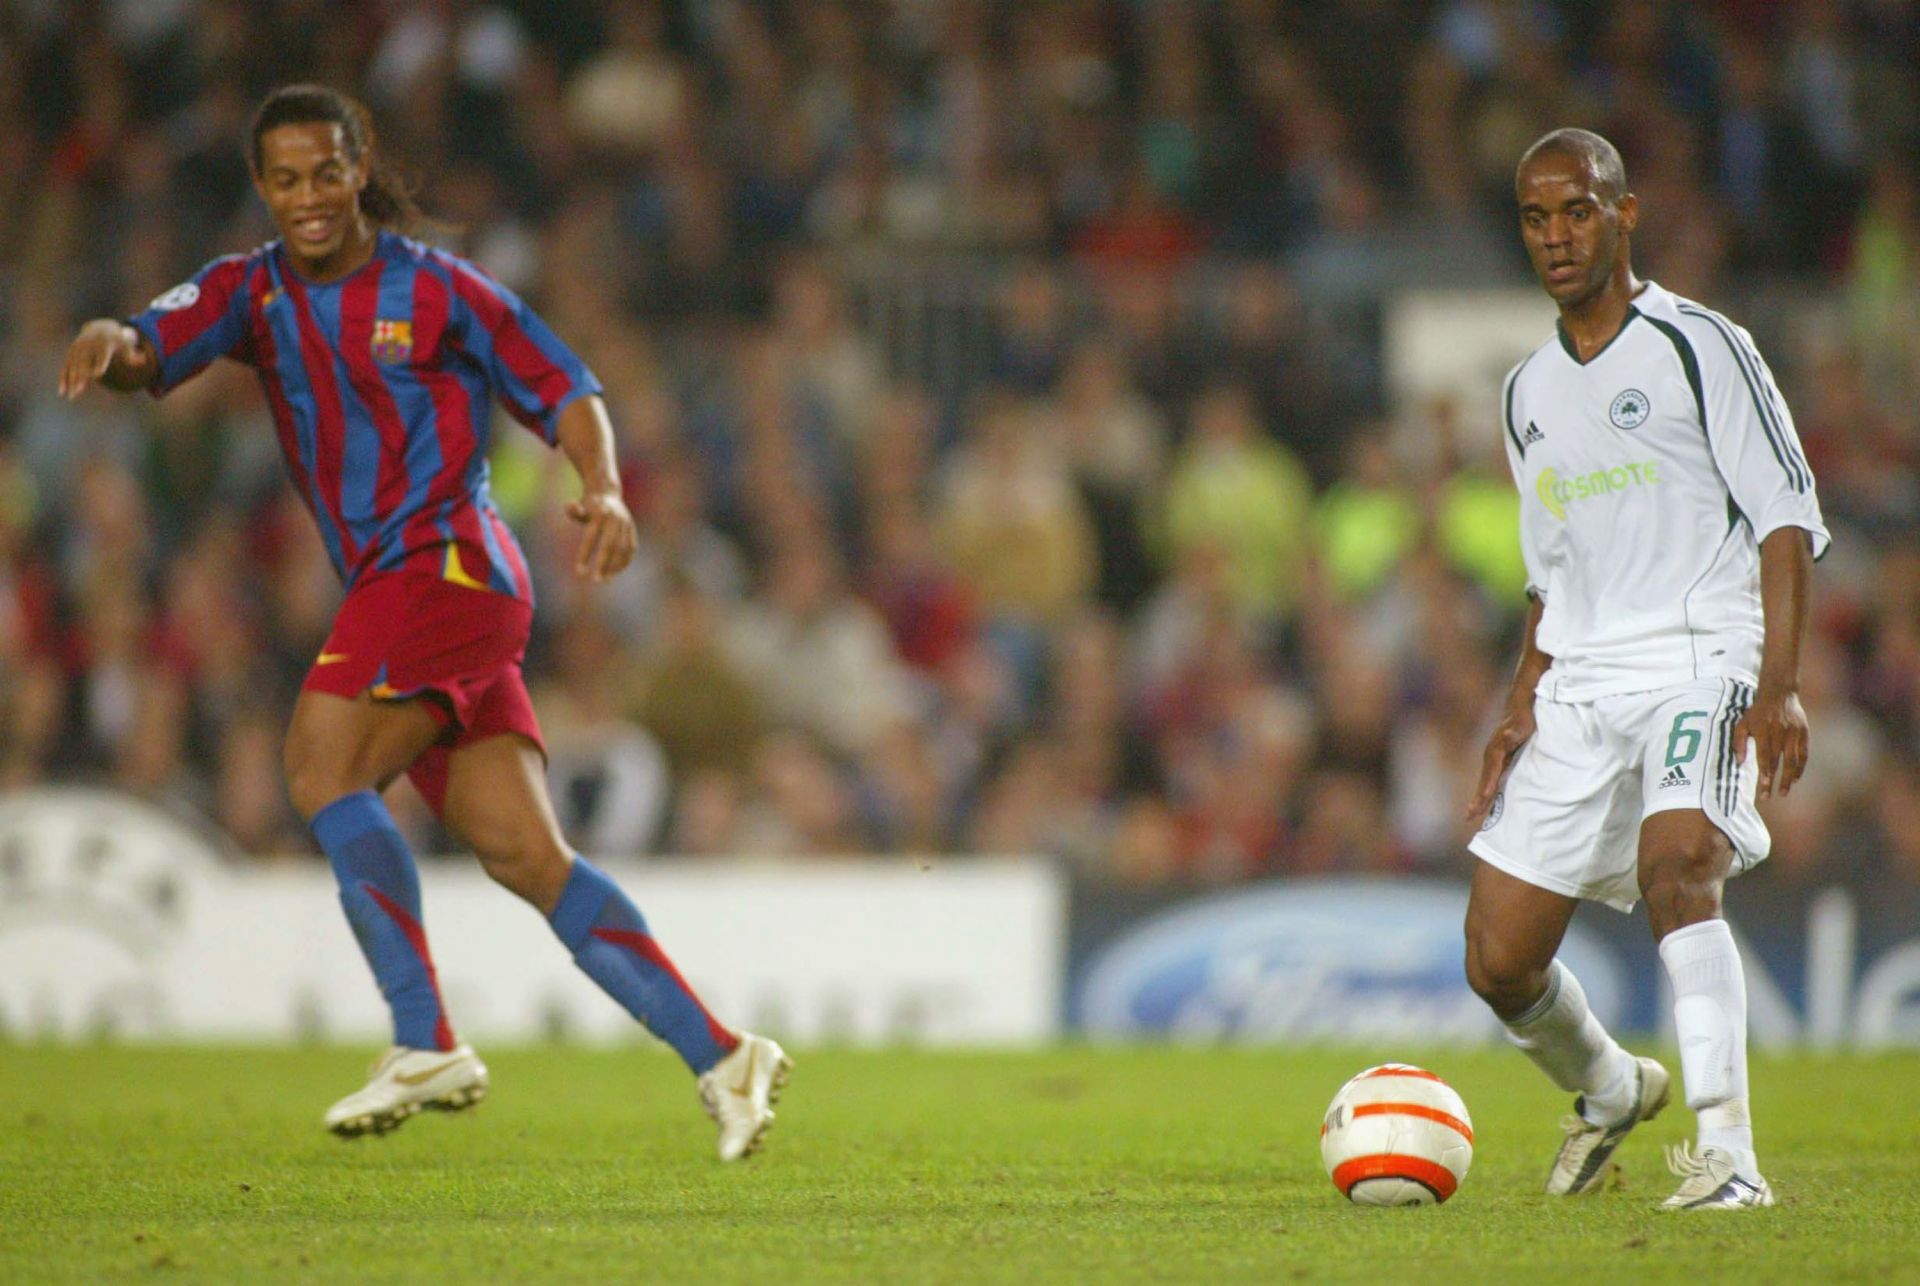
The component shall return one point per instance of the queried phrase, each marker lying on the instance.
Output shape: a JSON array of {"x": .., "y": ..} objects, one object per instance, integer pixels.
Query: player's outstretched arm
[
  {"x": 608, "y": 539},
  {"x": 1775, "y": 721},
  {"x": 107, "y": 352},
  {"x": 1516, "y": 719}
]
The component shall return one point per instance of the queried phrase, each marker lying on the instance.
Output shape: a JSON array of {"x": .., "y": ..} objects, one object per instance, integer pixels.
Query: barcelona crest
[{"x": 392, "y": 341}]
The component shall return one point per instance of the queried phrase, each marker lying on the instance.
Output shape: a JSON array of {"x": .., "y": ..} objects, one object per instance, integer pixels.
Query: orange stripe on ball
[
  {"x": 1421, "y": 1072},
  {"x": 1393, "y": 1165},
  {"x": 1447, "y": 1119}
]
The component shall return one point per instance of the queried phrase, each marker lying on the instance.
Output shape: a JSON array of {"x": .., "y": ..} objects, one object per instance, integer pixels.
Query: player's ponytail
[{"x": 387, "y": 200}]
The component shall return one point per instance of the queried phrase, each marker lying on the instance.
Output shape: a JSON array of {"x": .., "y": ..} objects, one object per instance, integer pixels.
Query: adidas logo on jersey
[
  {"x": 1532, "y": 435},
  {"x": 1673, "y": 778}
]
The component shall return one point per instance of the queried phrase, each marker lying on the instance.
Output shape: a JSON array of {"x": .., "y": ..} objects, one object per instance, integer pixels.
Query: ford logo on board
[{"x": 1314, "y": 960}]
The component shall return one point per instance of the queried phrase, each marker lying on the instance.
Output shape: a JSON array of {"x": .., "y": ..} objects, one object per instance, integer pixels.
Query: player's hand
[
  {"x": 607, "y": 544},
  {"x": 1777, "y": 726},
  {"x": 1515, "y": 727},
  {"x": 93, "y": 351}
]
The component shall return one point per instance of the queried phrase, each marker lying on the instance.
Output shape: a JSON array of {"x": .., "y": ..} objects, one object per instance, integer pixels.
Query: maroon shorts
[{"x": 409, "y": 635}]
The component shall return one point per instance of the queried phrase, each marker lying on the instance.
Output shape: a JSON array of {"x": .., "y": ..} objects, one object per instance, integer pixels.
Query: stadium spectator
[
  {"x": 1365, "y": 523},
  {"x": 1116, "y": 448},
  {"x": 1233, "y": 489},
  {"x": 675, "y": 540},
  {"x": 1010, "y": 522},
  {"x": 690, "y": 695},
  {"x": 819, "y": 658},
  {"x": 804, "y": 804},
  {"x": 929, "y": 614},
  {"x": 1031, "y": 345}
]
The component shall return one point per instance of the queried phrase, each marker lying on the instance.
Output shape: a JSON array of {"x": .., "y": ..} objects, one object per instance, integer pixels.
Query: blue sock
[
  {"x": 380, "y": 892},
  {"x": 610, "y": 943}
]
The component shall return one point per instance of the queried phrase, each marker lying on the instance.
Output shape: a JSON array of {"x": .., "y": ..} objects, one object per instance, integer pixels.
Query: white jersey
[{"x": 1648, "y": 476}]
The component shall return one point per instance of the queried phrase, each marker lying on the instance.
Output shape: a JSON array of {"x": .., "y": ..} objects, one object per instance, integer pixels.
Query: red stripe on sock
[
  {"x": 442, "y": 1032},
  {"x": 647, "y": 949}
]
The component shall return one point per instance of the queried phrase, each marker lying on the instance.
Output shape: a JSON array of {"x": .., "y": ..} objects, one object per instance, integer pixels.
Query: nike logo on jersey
[{"x": 332, "y": 658}]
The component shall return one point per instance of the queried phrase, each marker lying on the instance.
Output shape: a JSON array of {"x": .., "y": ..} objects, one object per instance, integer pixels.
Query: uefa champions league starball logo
[
  {"x": 184, "y": 295},
  {"x": 1630, "y": 409},
  {"x": 97, "y": 892}
]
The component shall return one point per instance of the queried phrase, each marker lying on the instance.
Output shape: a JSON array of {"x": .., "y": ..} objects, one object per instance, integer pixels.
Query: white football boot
[
  {"x": 740, "y": 1090},
  {"x": 1582, "y": 1163},
  {"x": 402, "y": 1081},
  {"x": 1708, "y": 1181}
]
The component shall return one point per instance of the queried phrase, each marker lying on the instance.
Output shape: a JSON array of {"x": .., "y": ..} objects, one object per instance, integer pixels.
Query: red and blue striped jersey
[{"x": 382, "y": 385}]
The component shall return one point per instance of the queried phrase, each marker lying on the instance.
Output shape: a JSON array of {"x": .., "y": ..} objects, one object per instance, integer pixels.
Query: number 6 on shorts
[{"x": 1683, "y": 743}]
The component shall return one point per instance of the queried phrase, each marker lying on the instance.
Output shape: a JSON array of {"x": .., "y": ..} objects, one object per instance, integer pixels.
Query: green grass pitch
[{"x": 1075, "y": 1164}]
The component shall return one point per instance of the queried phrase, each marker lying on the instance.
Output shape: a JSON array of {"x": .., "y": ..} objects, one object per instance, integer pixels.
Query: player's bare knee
[
  {"x": 1674, "y": 903},
  {"x": 1506, "y": 979},
  {"x": 526, "y": 864},
  {"x": 506, "y": 866},
  {"x": 1681, "y": 881},
  {"x": 538, "y": 882},
  {"x": 311, "y": 783},
  {"x": 1678, "y": 895},
  {"x": 318, "y": 775}
]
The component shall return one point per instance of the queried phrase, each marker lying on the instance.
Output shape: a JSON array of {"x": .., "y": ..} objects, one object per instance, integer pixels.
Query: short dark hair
[
  {"x": 1601, "y": 157},
  {"x": 388, "y": 197}
]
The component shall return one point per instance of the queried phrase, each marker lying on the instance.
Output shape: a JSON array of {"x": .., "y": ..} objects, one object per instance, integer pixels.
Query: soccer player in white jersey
[{"x": 1669, "y": 527}]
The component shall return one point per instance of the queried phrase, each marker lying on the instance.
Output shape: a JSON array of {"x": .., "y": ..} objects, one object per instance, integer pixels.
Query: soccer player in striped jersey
[
  {"x": 1669, "y": 527},
  {"x": 381, "y": 359}
]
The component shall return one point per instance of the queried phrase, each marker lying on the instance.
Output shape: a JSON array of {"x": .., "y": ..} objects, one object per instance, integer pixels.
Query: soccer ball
[{"x": 1396, "y": 1135}]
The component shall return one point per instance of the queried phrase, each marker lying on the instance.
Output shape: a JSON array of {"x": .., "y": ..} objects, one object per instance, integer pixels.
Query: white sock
[
  {"x": 1710, "y": 1018},
  {"x": 1562, "y": 1036}
]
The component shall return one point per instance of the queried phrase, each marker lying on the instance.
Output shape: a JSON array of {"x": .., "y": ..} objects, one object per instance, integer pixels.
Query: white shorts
[{"x": 1567, "y": 817}]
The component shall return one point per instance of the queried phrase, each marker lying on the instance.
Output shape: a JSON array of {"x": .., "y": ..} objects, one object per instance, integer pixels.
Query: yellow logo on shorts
[{"x": 454, "y": 571}]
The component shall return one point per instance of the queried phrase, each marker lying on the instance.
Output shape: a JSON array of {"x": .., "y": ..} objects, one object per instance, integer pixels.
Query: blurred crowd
[{"x": 1159, "y": 580}]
